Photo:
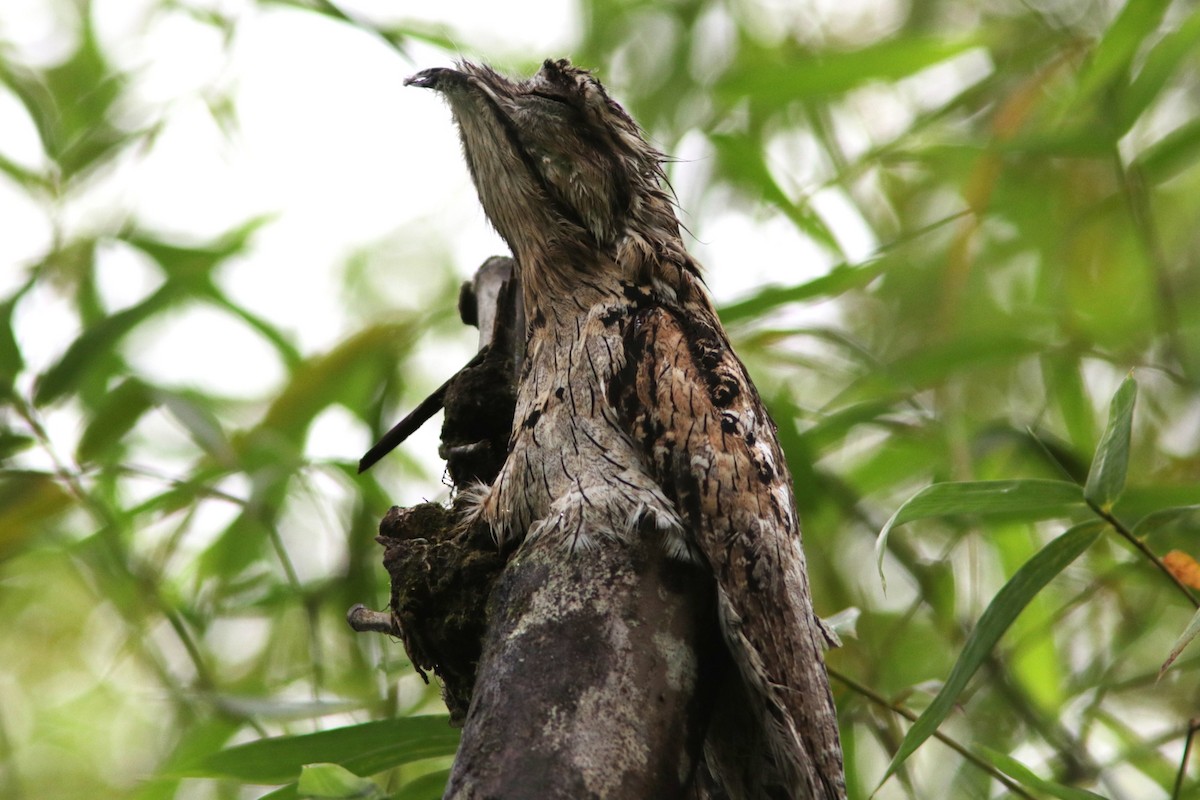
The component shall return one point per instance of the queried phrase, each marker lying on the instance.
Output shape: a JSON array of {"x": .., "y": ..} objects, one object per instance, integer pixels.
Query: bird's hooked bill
[{"x": 431, "y": 78}]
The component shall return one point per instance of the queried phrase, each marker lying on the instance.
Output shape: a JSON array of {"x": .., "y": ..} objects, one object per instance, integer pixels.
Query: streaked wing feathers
[{"x": 687, "y": 400}]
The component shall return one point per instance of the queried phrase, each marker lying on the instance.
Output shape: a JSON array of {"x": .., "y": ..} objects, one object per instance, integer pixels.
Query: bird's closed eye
[{"x": 552, "y": 97}]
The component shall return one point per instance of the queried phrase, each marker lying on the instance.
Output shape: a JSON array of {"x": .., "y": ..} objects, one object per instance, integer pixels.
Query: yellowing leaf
[{"x": 1183, "y": 567}]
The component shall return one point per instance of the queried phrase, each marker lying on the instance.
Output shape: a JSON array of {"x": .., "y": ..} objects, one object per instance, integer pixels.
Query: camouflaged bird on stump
[{"x": 644, "y": 495}]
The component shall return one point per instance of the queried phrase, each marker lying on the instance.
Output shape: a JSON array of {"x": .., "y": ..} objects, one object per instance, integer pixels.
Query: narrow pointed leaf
[
  {"x": 1111, "y": 59},
  {"x": 1019, "y": 499},
  {"x": 118, "y": 413},
  {"x": 842, "y": 278},
  {"x": 28, "y": 501},
  {"x": 425, "y": 787},
  {"x": 741, "y": 160},
  {"x": 1173, "y": 153},
  {"x": 1185, "y": 638},
  {"x": 1015, "y": 769},
  {"x": 996, "y": 619},
  {"x": 1184, "y": 518},
  {"x": 363, "y": 749},
  {"x": 192, "y": 412},
  {"x": 11, "y": 361},
  {"x": 1106, "y": 479},
  {"x": 820, "y": 74},
  {"x": 94, "y": 344},
  {"x": 1161, "y": 62},
  {"x": 334, "y": 780}
]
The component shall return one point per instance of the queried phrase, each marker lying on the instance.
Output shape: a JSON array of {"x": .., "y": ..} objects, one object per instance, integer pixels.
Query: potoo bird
[{"x": 632, "y": 408}]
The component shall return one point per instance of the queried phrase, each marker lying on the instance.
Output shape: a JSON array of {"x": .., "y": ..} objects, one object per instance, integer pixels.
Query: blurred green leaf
[
  {"x": 1015, "y": 769},
  {"x": 743, "y": 162},
  {"x": 1139, "y": 500},
  {"x": 780, "y": 77},
  {"x": 1106, "y": 479},
  {"x": 1185, "y": 638},
  {"x": 118, "y": 413},
  {"x": 191, "y": 267},
  {"x": 832, "y": 428},
  {"x": 935, "y": 362},
  {"x": 999, "y": 615},
  {"x": 287, "y": 351},
  {"x": 288, "y": 792},
  {"x": 194, "y": 741},
  {"x": 1185, "y": 517},
  {"x": 1019, "y": 499},
  {"x": 1158, "y": 67},
  {"x": 193, "y": 413},
  {"x": 347, "y": 374},
  {"x": 1036, "y": 662},
  {"x": 333, "y": 780},
  {"x": 11, "y": 361},
  {"x": 363, "y": 749},
  {"x": 13, "y": 443},
  {"x": 91, "y": 349},
  {"x": 28, "y": 500},
  {"x": 70, "y": 103},
  {"x": 840, "y": 279},
  {"x": 1121, "y": 41},
  {"x": 1173, "y": 153},
  {"x": 427, "y": 787},
  {"x": 1066, "y": 389}
]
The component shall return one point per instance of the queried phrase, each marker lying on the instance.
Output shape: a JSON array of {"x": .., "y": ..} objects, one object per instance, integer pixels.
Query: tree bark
[
  {"x": 574, "y": 675},
  {"x": 588, "y": 684}
]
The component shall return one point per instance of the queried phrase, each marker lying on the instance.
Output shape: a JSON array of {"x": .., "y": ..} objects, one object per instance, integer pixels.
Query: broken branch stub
[{"x": 441, "y": 570}]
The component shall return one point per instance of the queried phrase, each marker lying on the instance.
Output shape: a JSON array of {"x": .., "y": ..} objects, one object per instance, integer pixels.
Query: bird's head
[{"x": 560, "y": 168}]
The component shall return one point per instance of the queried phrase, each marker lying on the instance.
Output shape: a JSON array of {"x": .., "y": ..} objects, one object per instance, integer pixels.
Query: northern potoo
[{"x": 632, "y": 408}]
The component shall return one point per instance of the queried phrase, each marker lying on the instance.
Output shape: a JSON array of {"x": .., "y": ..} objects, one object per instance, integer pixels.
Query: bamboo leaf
[
  {"x": 932, "y": 364},
  {"x": 1015, "y": 769},
  {"x": 70, "y": 103},
  {"x": 12, "y": 443},
  {"x": 1106, "y": 479},
  {"x": 839, "y": 280},
  {"x": 741, "y": 160},
  {"x": 287, "y": 792},
  {"x": 192, "y": 266},
  {"x": 27, "y": 501},
  {"x": 334, "y": 780},
  {"x": 1185, "y": 517},
  {"x": 426, "y": 787},
  {"x": 96, "y": 343},
  {"x": 200, "y": 422},
  {"x": 1185, "y": 638},
  {"x": 119, "y": 412},
  {"x": 346, "y": 374},
  {"x": 996, "y": 619},
  {"x": 363, "y": 749},
  {"x": 1159, "y": 65},
  {"x": 1112, "y": 56},
  {"x": 1019, "y": 499},
  {"x": 1170, "y": 155},
  {"x": 11, "y": 360},
  {"x": 820, "y": 74}
]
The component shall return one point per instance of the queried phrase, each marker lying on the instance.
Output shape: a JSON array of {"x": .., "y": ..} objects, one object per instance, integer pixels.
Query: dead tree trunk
[{"x": 586, "y": 675}]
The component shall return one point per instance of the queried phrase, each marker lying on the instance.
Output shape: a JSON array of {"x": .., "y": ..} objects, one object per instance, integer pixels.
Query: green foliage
[
  {"x": 993, "y": 208},
  {"x": 363, "y": 749},
  {"x": 1106, "y": 479}
]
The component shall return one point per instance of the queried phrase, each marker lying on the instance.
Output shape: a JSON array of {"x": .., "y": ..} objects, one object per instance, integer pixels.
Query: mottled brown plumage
[{"x": 633, "y": 408}]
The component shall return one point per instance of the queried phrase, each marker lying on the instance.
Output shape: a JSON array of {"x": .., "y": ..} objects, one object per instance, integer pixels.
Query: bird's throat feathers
[{"x": 569, "y": 181}]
